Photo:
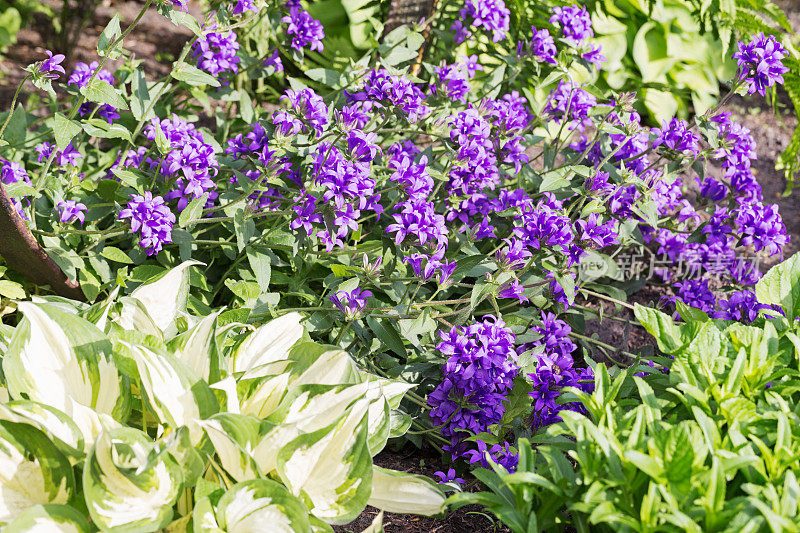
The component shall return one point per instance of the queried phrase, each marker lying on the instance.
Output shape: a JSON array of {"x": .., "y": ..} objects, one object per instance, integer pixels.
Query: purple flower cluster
[
  {"x": 478, "y": 374},
  {"x": 575, "y": 23},
  {"x": 216, "y": 53},
  {"x": 191, "y": 159},
  {"x": 761, "y": 63},
  {"x": 350, "y": 303},
  {"x": 70, "y": 211},
  {"x": 307, "y": 111},
  {"x": 741, "y": 306},
  {"x": 390, "y": 93},
  {"x": 555, "y": 371},
  {"x": 149, "y": 216},
  {"x": 51, "y": 67},
  {"x": 12, "y": 172},
  {"x": 304, "y": 29},
  {"x": 491, "y": 15},
  {"x": 68, "y": 157},
  {"x": 542, "y": 46},
  {"x": 571, "y": 103},
  {"x": 676, "y": 135}
]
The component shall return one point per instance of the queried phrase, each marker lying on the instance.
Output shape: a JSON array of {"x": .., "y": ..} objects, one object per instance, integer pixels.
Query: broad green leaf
[
  {"x": 61, "y": 360},
  {"x": 60, "y": 428},
  {"x": 399, "y": 492},
  {"x": 198, "y": 347},
  {"x": 781, "y": 286},
  {"x": 192, "y": 75},
  {"x": 234, "y": 437},
  {"x": 49, "y": 517},
  {"x": 128, "y": 485},
  {"x": 32, "y": 470},
  {"x": 165, "y": 297},
  {"x": 111, "y": 32},
  {"x": 330, "y": 469},
  {"x": 115, "y": 254},
  {"x": 259, "y": 503},
  {"x": 64, "y": 130},
  {"x": 270, "y": 342},
  {"x": 193, "y": 211},
  {"x": 102, "y": 92},
  {"x": 177, "y": 395},
  {"x": 661, "y": 326}
]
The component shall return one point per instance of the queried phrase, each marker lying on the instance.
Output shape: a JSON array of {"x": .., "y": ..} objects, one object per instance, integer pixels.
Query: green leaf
[
  {"x": 781, "y": 286},
  {"x": 64, "y": 130},
  {"x": 49, "y": 517},
  {"x": 387, "y": 334},
  {"x": 337, "y": 454},
  {"x": 111, "y": 32},
  {"x": 115, "y": 254},
  {"x": 266, "y": 502},
  {"x": 399, "y": 492},
  {"x": 102, "y": 92},
  {"x": 330, "y": 78},
  {"x": 193, "y": 212},
  {"x": 124, "y": 472},
  {"x": 11, "y": 289},
  {"x": 140, "y": 102},
  {"x": 16, "y": 130},
  {"x": 261, "y": 265},
  {"x": 100, "y": 128},
  {"x": 192, "y": 75}
]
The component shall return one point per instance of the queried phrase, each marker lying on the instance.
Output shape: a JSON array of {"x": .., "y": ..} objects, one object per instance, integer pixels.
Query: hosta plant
[
  {"x": 708, "y": 444},
  {"x": 134, "y": 415}
]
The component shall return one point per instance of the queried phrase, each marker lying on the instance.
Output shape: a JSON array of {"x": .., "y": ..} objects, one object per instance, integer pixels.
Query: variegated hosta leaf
[
  {"x": 32, "y": 470},
  {"x": 198, "y": 348},
  {"x": 129, "y": 484},
  {"x": 262, "y": 396},
  {"x": 376, "y": 526},
  {"x": 307, "y": 409},
  {"x": 61, "y": 360},
  {"x": 133, "y": 316},
  {"x": 398, "y": 492},
  {"x": 383, "y": 394},
  {"x": 331, "y": 468},
  {"x": 316, "y": 365},
  {"x": 60, "y": 428},
  {"x": 234, "y": 437},
  {"x": 49, "y": 518},
  {"x": 153, "y": 306},
  {"x": 253, "y": 506},
  {"x": 270, "y": 342},
  {"x": 177, "y": 395},
  {"x": 192, "y": 462}
]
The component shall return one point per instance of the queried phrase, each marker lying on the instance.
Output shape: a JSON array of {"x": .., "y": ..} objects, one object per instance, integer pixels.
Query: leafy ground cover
[{"x": 391, "y": 251}]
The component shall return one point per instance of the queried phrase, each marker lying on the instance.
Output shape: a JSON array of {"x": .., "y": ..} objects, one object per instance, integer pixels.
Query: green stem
[{"x": 13, "y": 104}]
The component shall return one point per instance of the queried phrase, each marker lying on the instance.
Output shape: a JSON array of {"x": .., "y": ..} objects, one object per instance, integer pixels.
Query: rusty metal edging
[{"x": 22, "y": 251}]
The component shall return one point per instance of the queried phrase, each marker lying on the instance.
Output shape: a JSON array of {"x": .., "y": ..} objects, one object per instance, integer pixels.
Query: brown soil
[{"x": 157, "y": 42}]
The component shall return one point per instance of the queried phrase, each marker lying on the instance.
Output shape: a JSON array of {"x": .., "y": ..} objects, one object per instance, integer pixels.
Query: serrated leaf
[
  {"x": 193, "y": 212},
  {"x": 64, "y": 130},
  {"x": 102, "y": 92},
  {"x": 115, "y": 254},
  {"x": 193, "y": 76}
]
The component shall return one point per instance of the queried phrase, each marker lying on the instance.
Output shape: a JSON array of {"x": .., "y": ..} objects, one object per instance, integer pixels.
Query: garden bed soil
[{"x": 157, "y": 42}]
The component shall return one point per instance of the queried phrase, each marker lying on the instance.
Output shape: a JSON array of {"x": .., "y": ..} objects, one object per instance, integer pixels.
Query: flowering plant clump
[{"x": 438, "y": 226}]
